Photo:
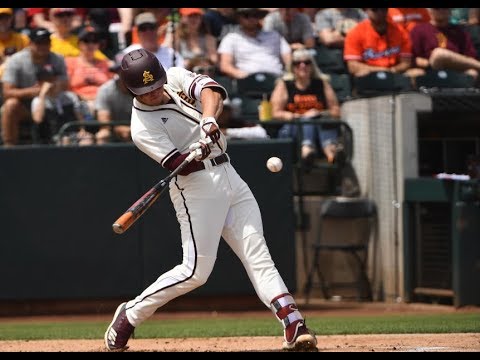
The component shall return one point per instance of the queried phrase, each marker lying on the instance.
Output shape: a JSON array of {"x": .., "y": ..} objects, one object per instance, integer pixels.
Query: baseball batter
[{"x": 173, "y": 114}]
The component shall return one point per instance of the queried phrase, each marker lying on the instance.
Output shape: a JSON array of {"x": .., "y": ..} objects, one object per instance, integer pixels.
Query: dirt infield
[
  {"x": 333, "y": 343},
  {"x": 467, "y": 342}
]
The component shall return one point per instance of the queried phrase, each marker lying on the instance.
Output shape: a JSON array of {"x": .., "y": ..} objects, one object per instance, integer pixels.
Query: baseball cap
[
  {"x": 88, "y": 33},
  {"x": 39, "y": 34},
  {"x": 56, "y": 11},
  {"x": 145, "y": 18},
  {"x": 190, "y": 11},
  {"x": 7, "y": 11}
]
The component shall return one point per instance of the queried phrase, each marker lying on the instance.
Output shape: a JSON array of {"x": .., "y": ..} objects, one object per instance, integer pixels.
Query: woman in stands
[{"x": 304, "y": 93}]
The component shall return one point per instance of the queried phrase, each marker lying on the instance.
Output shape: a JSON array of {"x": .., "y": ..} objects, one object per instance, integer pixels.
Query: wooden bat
[{"x": 141, "y": 205}]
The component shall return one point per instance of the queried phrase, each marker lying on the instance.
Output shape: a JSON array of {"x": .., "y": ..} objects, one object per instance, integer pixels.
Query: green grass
[{"x": 219, "y": 327}]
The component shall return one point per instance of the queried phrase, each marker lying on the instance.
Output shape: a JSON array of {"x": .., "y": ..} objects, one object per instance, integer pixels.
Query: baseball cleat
[
  {"x": 119, "y": 330},
  {"x": 302, "y": 340}
]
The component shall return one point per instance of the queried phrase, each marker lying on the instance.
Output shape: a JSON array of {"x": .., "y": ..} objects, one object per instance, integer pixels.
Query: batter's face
[{"x": 153, "y": 98}]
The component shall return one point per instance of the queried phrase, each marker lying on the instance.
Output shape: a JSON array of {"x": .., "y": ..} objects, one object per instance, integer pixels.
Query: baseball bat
[{"x": 135, "y": 211}]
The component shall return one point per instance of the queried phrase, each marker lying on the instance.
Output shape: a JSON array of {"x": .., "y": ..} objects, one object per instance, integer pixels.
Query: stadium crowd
[{"x": 59, "y": 65}]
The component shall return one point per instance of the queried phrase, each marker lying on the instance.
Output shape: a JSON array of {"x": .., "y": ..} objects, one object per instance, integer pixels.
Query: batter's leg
[{"x": 243, "y": 232}]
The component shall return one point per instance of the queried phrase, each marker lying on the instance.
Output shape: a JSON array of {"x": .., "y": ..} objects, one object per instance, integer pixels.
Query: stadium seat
[
  {"x": 330, "y": 60},
  {"x": 341, "y": 84},
  {"x": 257, "y": 84},
  {"x": 445, "y": 79},
  {"x": 228, "y": 83},
  {"x": 343, "y": 211},
  {"x": 381, "y": 83}
]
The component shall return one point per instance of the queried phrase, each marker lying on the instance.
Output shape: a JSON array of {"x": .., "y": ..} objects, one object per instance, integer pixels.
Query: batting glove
[
  {"x": 202, "y": 149},
  {"x": 210, "y": 129}
]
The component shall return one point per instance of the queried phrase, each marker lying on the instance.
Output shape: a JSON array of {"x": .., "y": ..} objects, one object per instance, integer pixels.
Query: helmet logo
[{"x": 147, "y": 77}]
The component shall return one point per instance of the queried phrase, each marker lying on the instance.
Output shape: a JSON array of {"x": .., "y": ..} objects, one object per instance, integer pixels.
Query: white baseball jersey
[
  {"x": 211, "y": 203},
  {"x": 164, "y": 130}
]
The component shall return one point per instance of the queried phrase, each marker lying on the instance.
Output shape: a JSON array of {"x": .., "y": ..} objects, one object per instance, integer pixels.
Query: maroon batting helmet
[{"x": 141, "y": 72}]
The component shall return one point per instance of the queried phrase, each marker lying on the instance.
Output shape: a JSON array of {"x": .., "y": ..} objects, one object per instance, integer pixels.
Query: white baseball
[{"x": 274, "y": 164}]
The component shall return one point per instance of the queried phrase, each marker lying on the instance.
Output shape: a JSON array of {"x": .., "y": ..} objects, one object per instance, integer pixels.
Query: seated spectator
[
  {"x": 304, "y": 93},
  {"x": 333, "y": 24},
  {"x": 230, "y": 120},
  {"x": 10, "y": 40},
  {"x": 147, "y": 26},
  {"x": 64, "y": 41},
  {"x": 408, "y": 18},
  {"x": 41, "y": 17},
  {"x": 293, "y": 25},
  {"x": 164, "y": 25},
  {"x": 113, "y": 103},
  {"x": 20, "y": 83},
  {"x": 220, "y": 21},
  {"x": 376, "y": 44},
  {"x": 86, "y": 73},
  {"x": 252, "y": 50},
  {"x": 442, "y": 45},
  {"x": 193, "y": 38},
  {"x": 53, "y": 108}
]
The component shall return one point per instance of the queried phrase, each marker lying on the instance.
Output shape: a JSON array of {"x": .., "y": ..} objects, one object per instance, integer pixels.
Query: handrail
[{"x": 94, "y": 123}]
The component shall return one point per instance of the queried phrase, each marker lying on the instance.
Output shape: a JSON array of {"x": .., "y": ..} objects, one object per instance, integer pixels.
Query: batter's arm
[{"x": 212, "y": 102}]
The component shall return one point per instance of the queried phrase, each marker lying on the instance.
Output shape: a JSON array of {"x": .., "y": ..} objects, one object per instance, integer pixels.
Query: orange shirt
[
  {"x": 408, "y": 17},
  {"x": 364, "y": 44},
  {"x": 85, "y": 78}
]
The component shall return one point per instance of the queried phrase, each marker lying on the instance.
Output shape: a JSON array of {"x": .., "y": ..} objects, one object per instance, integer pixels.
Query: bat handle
[{"x": 197, "y": 152}]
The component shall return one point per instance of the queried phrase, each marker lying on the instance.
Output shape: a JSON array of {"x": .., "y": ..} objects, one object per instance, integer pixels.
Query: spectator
[
  {"x": 376, "y": 44},
  {"x": 164, "y": 25},
  {"x": 192, "y": 37},
  {"x": 41, "y": 17},
  {"x": 19, "y": 19},
  {"x": 147, "y": 26},
  {"x": 64, "y": 41},
  {"x": 230, "y": 121},
  {"x": 10, "y": 40},
  {"x": 333, "y": 24},
  {"x": 86, "y": 73},
  {"x": 304, "y": 93},
  {"x": 107, "y": 23},
  {"x": 293, "y": 25},
  {"x": 252, "y": 50},
  {"x": 53, "y": 108},
  {"x": 220, "y": 21},
  {"x": 20, "y": 83},
  {"x": 408, "y": 18},
  {"x": 112, "y": 104},
  {"x": 442, "y": 45}
]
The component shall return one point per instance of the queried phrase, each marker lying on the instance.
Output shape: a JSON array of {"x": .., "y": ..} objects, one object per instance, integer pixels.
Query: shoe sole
[
  {"x": 303, "y": 343},
  {"x": 105, "y": 337}
]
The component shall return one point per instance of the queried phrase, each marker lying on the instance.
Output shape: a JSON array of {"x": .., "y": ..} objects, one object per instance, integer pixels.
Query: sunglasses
[
  {"x": 204, "y": 69},
  {"x": 147, "y": 27},
  {"x": 306, "y": 62}
]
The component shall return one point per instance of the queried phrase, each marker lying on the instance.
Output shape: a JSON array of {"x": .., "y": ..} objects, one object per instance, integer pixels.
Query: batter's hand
[
  {"x": 210, "y": 129},
  {"x": 202, "y": 149}
]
